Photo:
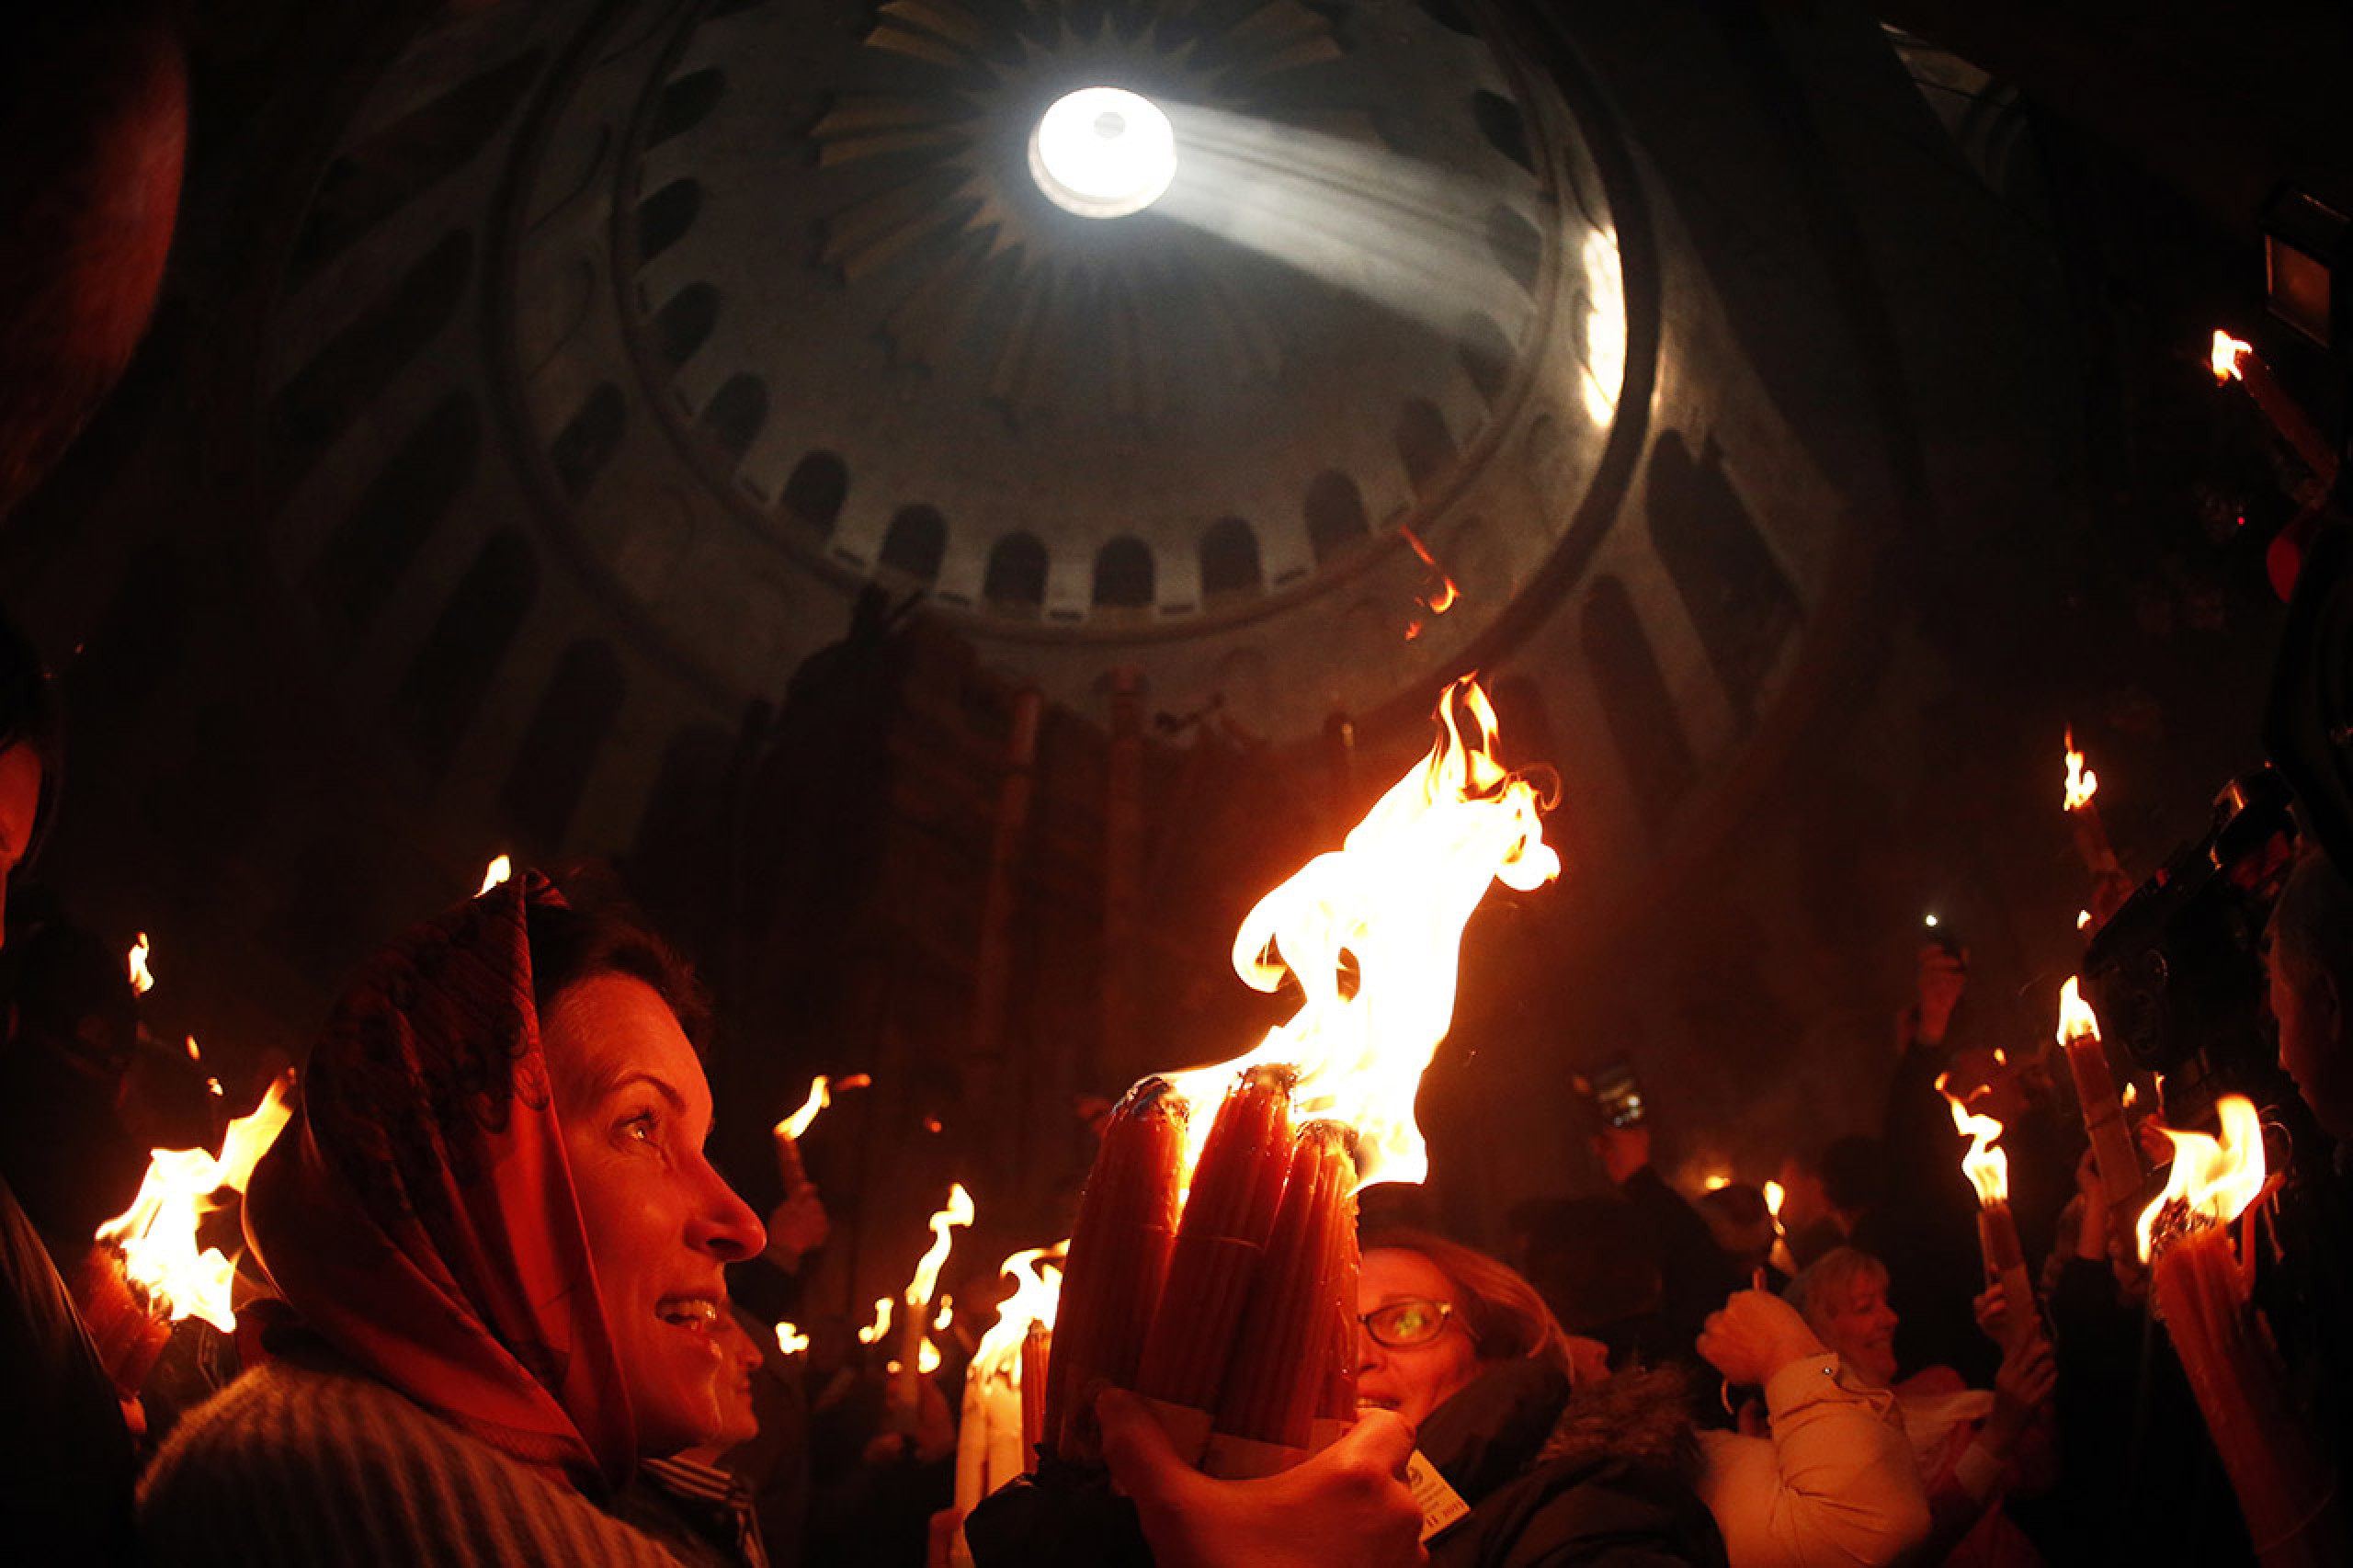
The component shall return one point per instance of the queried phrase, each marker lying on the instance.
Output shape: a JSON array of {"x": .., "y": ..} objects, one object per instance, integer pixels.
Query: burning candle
[
  {"x": 788, "y": 1132},
  {"x": 135, "y": 964},
  {"x": 916, "y": 1349},
  {"x": 1988, "y": 1170},
  {"x": 2235, "y": 360},
  {"x": 2112, "y": 1150},
  {"x": 2082, "y": 812},
  {"x": 1117, "y": 1261},
  {"x": 1004, "y": 1385},
  {"x": 2286, "y": 1491}
]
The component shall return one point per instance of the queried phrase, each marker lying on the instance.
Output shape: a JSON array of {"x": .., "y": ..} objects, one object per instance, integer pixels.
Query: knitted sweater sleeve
[{"x": 292, "y": 1466}]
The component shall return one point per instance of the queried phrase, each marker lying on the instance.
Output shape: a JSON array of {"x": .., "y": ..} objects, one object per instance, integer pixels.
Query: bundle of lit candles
[{"x": 1212, "y": 1268}]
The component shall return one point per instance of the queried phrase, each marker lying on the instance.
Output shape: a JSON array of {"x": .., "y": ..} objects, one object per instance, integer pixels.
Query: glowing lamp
[{"x": 1103, "y": 152}]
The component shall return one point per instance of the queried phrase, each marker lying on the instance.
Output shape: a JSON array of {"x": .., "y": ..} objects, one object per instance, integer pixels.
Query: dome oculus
[{"x": 1103, "y": 152}]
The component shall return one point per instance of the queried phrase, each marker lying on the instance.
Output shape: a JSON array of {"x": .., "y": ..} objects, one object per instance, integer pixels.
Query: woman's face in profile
[{"x": 635, "y": 1110}]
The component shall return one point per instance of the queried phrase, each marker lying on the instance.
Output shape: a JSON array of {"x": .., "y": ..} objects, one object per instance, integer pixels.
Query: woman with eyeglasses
[{"x": 1555, "y": 1466}]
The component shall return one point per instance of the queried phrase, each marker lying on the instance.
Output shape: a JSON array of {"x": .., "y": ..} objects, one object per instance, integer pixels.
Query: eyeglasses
[{"x": 1414, "y": 1320}]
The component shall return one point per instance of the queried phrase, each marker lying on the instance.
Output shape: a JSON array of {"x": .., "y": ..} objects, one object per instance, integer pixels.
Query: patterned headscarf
[{"x": 418, "y": 1212}]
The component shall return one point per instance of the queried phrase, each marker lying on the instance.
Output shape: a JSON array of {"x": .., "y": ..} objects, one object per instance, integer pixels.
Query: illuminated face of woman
[
  {"x": 661, "y": 1224},
  {"x": 1857, "y": 1322},
  {"x": 1412, "y": 1379}
]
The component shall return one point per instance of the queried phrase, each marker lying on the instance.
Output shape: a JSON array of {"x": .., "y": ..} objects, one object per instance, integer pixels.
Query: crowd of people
[{"x": 499, "y": 1307}]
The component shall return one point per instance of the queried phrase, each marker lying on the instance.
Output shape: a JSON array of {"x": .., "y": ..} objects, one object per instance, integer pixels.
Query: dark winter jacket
[{"x": 1603, "y": 1478}]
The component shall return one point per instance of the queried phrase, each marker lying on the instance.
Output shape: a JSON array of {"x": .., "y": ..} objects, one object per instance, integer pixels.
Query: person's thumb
[
  {"x": 1381, "y": 1441},
  {"x": 1143, "y": 1463}
]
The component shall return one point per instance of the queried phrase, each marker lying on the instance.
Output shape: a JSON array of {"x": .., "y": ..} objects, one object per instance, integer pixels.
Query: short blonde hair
[{"x": 1832, "y": 1278}]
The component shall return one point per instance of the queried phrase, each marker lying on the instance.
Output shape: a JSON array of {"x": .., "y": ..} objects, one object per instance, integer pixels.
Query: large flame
[
  {"x": 501, "y": 867},
  {"x": 142, "y": 982},
  {"x": 1037, "y": 1295},
  {"x": 1774, "y": 1197},
  {"x": 2212, "y": 1181},
  {"x": 2076, "y": 1019},
  {"x": 156, "y": 1235},
  {"x": 1987, "y": 1168},
  {"x": 2225, "y": 355},
  {"x": 1386, "y": 911},
  {"x": 2082, "y": 783}
]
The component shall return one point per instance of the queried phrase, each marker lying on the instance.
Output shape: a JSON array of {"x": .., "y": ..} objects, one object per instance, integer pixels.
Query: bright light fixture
[{"x": 1103, "y": 152}]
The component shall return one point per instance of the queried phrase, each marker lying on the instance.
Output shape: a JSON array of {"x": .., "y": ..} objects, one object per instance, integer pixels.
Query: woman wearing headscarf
[
  {"x": 497, "y": 1251},
  {"x": 1464, "y": 1348}
]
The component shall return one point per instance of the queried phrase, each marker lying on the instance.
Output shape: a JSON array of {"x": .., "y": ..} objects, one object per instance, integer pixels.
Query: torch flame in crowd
[
  {"x": 881, "y": 1324},
  {"x": 2225, "y": 355},
  {"x": 1773, "y": 1197},
  {"x": 2213, "y": 1181},
  {"x": 819, "y": 1097},
  {"x": 1037, "y": 1293},
  {"x": 1389, "y": 908},
  {"x": 790, "y": 1339},
  {"x": 142, "y": 982},
  {"x": 500, "y": 868},
  {"x": 1988, "y": 1168},
  {"x": 2076, "y": 1019},
  {"x": 2082, "y": 783},
  {"x": 156, "y": 1235}
]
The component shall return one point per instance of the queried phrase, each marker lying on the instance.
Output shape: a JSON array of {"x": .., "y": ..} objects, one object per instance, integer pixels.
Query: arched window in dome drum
[
  {"x": 350, "y": 371},
  {"x": 683, "y": 324},
  {"x": 916, "y": 543},
  {"x": 1334, "y": 512},
  {"x": 1517, "y": 248},
  {"x": 735, "y": 412},
  {"x": 364, "y": 558},
  {"x": 1424, "y": 444},
  {"x": 684, "y": 103},
  {"x": 1741, "y": 602},
  {"x": 817, "y": 487},
  {"x": 1639, "y": 711},
  {"x": 395, "y": 163},
  {"x": 1123, "y": 574},
  {"x": 1500, "y": 122},
  {"x": 1485, "y": 353},
  {"x": 1230, "y": 559},
  {"x": 588, "y": 440},
  {"x": 1016, "y": 577},
  {"x": 438, "y": 697},
  {"x": 663, "y": 219},
  {"x": 558, "y": 751}
]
